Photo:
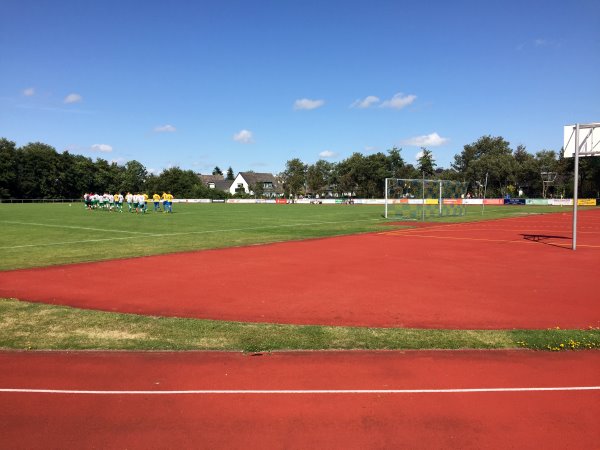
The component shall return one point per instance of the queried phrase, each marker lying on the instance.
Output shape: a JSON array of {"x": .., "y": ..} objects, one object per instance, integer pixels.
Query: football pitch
[
  {"x": 41, "y": 235},
  {"x": 35, "y": 235},
  {"x": 48, "y": 234}
]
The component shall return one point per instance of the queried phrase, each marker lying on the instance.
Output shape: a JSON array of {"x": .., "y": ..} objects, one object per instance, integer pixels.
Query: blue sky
[{"x": 252, "y": 84}]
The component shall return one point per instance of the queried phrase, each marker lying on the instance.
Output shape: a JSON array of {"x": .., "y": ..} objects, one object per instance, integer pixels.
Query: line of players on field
[{"x": 137, "y": 203}]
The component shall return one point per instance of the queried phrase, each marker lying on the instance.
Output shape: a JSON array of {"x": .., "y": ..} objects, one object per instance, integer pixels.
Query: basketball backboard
[{"x": 589, "y": 140}]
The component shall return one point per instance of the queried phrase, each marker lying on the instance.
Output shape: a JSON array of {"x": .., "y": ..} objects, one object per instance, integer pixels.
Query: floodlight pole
[{"x": 575, "y": 186}]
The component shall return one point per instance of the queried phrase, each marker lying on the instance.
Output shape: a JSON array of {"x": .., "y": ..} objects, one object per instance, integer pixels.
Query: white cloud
[
  {"x": 370, "y": 148},
  {"x": 119, "y": 161},
  {"x": 104, "y": 148},
  {"x": 398, "y": 101},
  {"x": 165, "y": 129},
  {"x": 428, "y": 140},
  {"x": 29, "y": 92},
  {"x": 328, "y": 154},
  {"x": 243, "y": 137},
  {"x": 306, "y": 103},
  {"x": 73, "y": 98},
  {"x": 539, "y": 43},
  {"x": 366, "y": 102}
]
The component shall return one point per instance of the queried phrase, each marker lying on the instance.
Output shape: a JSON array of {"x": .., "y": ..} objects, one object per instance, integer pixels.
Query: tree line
[
  {"x": 508, "y": 172},
  {"x": 37, "y": 170}
]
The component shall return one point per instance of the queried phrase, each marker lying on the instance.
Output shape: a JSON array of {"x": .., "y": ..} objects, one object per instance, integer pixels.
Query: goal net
[{"x": 414, "y": 199}]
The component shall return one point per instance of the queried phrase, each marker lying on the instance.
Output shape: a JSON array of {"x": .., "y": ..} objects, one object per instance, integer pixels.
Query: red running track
[
  {"x": 463, "y": 420},
  {"x": 502, "y": 274}
]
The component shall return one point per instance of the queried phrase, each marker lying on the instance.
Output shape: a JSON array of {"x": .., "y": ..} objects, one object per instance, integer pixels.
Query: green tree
[
  {"x": 318, "y": 176},
  {"x": 67, "y": 181},
  {"x": 294, "y": 177},
  {"x": 488, "y": 155},
  {"x": 364, "y": 176},
  {"x": 217, "y": 171},
  {"x": 107, "y": 177},
  {"x": 134, "y": 177},
  {"x": 38, "y": 171},
  {"x": 527, "y": 175},
  {"x": 372, "y": 175},
  {"x": 395, "y": 163},
  {"x": 426, "y": 164},
  {"x": 181, "y": 183},
  {"x": 346, "y": 174},
  {"x": 200, "y": 190},
  {"x": 589, "y": 172},
  {"x": 258, "y": 189},
  {"x": 230, "y": 175},
  {"x": 83, "y": 170},
  {"x": 8, "y": 169}
]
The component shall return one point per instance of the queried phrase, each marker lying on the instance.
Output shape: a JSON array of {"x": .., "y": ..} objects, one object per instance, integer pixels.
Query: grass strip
[{"x": 35, "y": 326}]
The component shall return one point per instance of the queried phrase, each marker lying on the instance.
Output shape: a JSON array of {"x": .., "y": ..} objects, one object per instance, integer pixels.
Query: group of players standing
[{"x": 136, "y": 203}]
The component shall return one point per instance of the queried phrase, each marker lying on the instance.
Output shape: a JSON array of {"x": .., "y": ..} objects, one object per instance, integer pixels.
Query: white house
[{"x": 248, "y": 181}]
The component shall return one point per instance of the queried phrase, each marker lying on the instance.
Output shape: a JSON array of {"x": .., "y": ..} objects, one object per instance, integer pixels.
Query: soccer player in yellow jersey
[
  {"x": 118, "y": 202},
  {"x": 165, "y": 200},
  {"x": 156, "y": 200},
  {"x": 170, "y": 202},
  {"x": 167, "y": 203}
]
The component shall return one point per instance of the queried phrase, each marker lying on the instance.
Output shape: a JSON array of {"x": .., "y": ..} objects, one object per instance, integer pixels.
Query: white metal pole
[
  {"x": 575, "y": 186},
  {"x": 484, "y": 193},
  {"x": 441, "y": 200},
  {"x": 386, "y": 198},
  {"x": 423, "y": 200}
]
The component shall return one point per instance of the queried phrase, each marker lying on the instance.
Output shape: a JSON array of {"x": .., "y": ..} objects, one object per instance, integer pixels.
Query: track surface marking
[
  {"x": 475, "y": 280},
  {"x": 348, "y": 420}
]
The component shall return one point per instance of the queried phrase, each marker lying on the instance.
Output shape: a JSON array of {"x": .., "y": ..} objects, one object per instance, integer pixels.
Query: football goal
[{"x": 414, "y": 199}]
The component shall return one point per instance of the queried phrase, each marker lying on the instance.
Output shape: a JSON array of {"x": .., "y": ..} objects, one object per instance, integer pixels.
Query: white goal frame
[
  {"x": 576, "y": 147},
  {"x": 440, "y": 199}
]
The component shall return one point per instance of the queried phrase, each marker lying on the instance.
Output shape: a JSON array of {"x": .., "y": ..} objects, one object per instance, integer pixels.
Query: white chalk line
[
  {"x": 182, "y": 233},
  {"x": 73, "y": 227},
  {"x": 297, "y": 391}
]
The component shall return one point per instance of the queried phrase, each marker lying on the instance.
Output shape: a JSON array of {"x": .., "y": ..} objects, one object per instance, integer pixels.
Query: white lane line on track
[
  {"x": 183, "y": 233},
  {"x": 299, "y": 391}
]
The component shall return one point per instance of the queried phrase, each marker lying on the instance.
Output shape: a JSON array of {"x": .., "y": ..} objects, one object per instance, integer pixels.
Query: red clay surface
[
  {"x": 511, "y": 273},
  {"x": 539, "y": 419}
]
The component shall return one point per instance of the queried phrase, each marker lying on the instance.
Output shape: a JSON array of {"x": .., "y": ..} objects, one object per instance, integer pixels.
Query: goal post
[
  {"x": 420, "y": 199},
  {"x": 580, "y": 140}
]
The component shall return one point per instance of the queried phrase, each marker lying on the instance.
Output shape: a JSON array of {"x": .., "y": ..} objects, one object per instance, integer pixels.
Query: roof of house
[
  {"x": 222, "y": 185},
  {"x": 210, "y": 178},
  {"x": 256, "y": 177}
]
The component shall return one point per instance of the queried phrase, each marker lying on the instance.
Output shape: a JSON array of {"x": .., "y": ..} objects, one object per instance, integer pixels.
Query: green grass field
[
  {"x": 44, "y": 234},
  {"x": 33, "y": 235}
]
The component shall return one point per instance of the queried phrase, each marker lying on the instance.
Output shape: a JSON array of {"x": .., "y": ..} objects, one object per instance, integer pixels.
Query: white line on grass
[
  {"x": 297, "y": 391},
  {"x": 183, "y": 233},
  {"x": 67, "y": 242},
  {"x": 72, "y": 227}
]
